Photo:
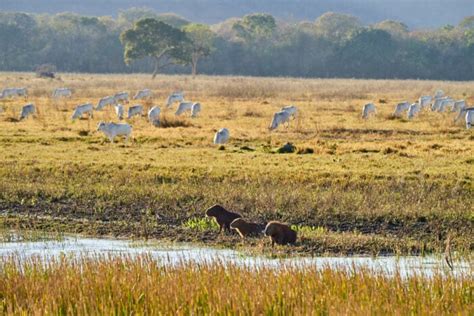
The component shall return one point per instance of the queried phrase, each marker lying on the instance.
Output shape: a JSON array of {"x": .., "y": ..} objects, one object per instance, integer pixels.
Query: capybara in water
[
  {"x": 280, "y": 233},
  {"x": 223, "y": 217},
  {"x": 245, "y": 228}
]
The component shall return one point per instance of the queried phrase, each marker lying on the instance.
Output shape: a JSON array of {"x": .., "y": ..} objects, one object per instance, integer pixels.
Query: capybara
[
  {"x": 245, "y": 228},
  {"x": 280, "y": 233},
  {"x": 223, "y": 217}
]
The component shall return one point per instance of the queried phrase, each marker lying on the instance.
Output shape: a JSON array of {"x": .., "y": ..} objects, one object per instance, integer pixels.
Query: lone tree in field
[
  {"x": 155, "y": 39},
  {"x": 201, "y": 44}
]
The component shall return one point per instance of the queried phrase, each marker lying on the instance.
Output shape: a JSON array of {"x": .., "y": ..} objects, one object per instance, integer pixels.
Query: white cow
[
  {"x": 469, "y": 118},
  {"x": 367, "y": 109},
  {"x": 121, "y": 97},
  {"x": 135, "y": 110},
  {"x": 154, "y": 115},
  {"x": 458, "y": 105},
  {"x": 280, "y": 118},
  {"x": 425, "y": 101},
  {"x": 82, "y": 109},
  {"x": 62, "y": 92},
  {"x": 110, "y": 100},
  {"x": 401, "y": 107},
  {"x": 293, "y": 110},
  {"x": 413, "y": 110},
  {"x": 143, "y": 94},
  {"x": 445, "y": 103},
  {"x": 183, "y": 107},
  {"x": 437, "y": 102},
  {"x": 174, "y": 97},
  {"x": 462, "y": 113},
  {"x": 112, "y": 130},
  {"x": 195, "y": 109},
  {"x": 27, "y": 110},
  {"x": 14, "y": 92},
  {"x": 221, "y": 136},
  {"x": 119, "y": 111},
  {"x": 8, "y": 92}
]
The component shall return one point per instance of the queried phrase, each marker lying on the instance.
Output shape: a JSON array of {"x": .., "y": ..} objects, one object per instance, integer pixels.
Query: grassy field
[
  {"x": 124, "y": 286},
  {"x": 374, "y": 186}
]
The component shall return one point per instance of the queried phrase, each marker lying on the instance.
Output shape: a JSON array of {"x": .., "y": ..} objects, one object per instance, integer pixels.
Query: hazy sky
[{"x": 415, "y": 13}]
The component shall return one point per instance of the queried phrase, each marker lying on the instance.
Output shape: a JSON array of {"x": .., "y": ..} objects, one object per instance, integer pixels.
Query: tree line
[{"x": 140, "y": 40}]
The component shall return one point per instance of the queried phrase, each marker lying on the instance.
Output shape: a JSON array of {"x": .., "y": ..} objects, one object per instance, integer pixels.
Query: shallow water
[{"x": 177, "y": 253}]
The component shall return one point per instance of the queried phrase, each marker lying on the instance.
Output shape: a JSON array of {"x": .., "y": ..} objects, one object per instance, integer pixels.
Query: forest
[{"x": 333, "y": 45}]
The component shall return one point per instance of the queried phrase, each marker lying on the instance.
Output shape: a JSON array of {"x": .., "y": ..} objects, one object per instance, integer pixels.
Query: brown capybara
[
  {"x": 223, "y": 217},
  {"x": 280, "y": 233},
  {"x": 245, "y": 228}
]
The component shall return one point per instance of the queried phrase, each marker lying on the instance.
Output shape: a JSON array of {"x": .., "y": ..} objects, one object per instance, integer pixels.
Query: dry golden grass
[
  {"x": 142, "y": 285},
  {"x": 391, "y": 177}
]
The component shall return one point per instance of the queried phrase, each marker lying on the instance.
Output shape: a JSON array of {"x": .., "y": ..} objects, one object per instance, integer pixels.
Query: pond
[{"x": 171, "y": 254}]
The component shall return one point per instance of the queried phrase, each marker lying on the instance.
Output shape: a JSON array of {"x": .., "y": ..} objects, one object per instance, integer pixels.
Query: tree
[
  {"x": 368, "y": 53},
  {"x": 255, "y": 26},
  {"x": 201, "y": 43},
  {"x": 395, "y": 28},
  {"x": 337, "y": 25},
  {"x": 154, "y": 39},
  {"x": 467, "y": 23},
  {"x": 173, "y": 19}
]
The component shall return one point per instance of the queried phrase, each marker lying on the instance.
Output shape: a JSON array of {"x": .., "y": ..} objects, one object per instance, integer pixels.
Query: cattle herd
[{"x": 439, "y": 103}]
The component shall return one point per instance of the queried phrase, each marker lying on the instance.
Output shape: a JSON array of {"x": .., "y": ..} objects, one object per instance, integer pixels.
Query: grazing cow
[
  {"x": 293, "y": 110},
  {"x": 245, "y": 228},
  {"x": 135, "y": 110},
  {"x": 8, "y": 92},
  {"x": 439, "y": 94},
  {"x": 119, "y": 111},
  {"x": 112, "y": 130},
  {"x": 469, "y": 118},
  {"x": 62, "y": 92},
  {"x": 143, "y": 94},
  {"x": 27, "y": 110},
  {"x": 280, "y": 118},
  {"x": 437, "y": 102},
  {"x": 425, "y": 101},
  {"x": 401, "y": 107},
  {"x": 174, "y": 97},
  {"x": 446, "y": 103},
  {"x": 413, "y": 110},
  {"x": 458, "y": 106},
  {"x": 154, "y": 115},
  {"x": 14, "y": 92},
  {"x": 462, "y": 113},
  {"x": 221, "y": 136},
  {"x": 195, "y": 109},
  {"x": 280, "y": 233},
  {"x": 22, "y": 92},
  {"x": 110, "y": 100},
  {"x": 121, "y": 97},
  {"x": 367, "y": 109},
  {"x": 223, "y": 217},
  {"x": 82, "y": 109},
  {"x": 184, "y": 107}
]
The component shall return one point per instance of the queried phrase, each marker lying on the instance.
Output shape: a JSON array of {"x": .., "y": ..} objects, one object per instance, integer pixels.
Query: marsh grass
[
  {"x": 29, "y": 236},
  {"x": 170, "y": 121},
  {"x": 201, "y": 224},
  {"x": 141, "y": 285},
  {"x": 380, "y": 178}
]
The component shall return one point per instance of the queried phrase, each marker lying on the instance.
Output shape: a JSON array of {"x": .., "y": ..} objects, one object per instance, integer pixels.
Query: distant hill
[{"x": 414, "y": 13}]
